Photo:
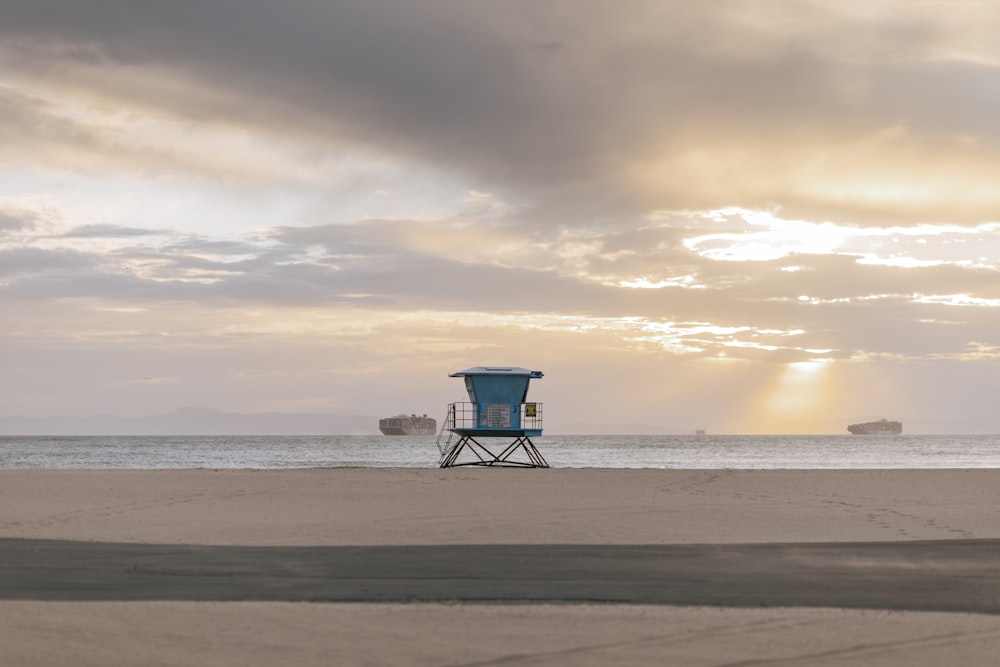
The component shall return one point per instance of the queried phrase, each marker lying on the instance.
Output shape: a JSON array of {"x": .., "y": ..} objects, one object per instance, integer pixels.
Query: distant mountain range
[
  {"x": 207, "y": 421},
  {"x": 194, "y": 421}
]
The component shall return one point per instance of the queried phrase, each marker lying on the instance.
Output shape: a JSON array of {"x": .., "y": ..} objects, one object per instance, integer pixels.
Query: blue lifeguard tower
[{"x": 498, "y": 409}]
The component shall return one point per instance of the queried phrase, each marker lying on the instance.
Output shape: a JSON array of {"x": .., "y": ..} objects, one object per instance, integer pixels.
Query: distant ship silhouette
[{"x": 408, "y": 425}]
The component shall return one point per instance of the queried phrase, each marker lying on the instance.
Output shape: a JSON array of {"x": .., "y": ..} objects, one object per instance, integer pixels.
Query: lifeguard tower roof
[{"x": 496, "y": 370}]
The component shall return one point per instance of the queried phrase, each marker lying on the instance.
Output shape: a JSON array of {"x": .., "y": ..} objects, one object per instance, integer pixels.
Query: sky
[{"x": 738, "y": 216}]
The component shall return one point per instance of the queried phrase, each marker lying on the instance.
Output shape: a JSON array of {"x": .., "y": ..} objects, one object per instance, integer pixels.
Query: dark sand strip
[{"x": 946, "y": 575}]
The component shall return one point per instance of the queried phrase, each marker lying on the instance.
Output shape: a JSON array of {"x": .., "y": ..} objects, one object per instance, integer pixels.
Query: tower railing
[{"x": 498, "y": 416}]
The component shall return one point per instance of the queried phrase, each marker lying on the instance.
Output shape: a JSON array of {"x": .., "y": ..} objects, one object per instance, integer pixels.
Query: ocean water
[{"x": 564, "y": 451}]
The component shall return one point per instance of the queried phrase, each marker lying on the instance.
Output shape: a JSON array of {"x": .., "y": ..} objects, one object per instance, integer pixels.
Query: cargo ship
[
  {"x": 408, "y": 425},
  {"x": 881, "y": 427}
]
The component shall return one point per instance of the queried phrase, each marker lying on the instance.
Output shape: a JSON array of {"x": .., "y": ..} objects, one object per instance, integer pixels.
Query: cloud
[
  {"x": 624, "y": 110},
  {"x": 109, "y": 231},
  {"x": 642, "y": 185},
  {"x": 34, "y": 265},
  {"x": 14, "y": 222},
  {"x": 830, "y": 306}
]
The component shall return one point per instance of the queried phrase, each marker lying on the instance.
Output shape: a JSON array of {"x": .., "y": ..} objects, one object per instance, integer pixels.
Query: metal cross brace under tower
[{"x": 486, "y": 457}]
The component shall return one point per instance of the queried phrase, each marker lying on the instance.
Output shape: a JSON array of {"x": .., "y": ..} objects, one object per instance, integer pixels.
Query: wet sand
[
  {"x": 942, "y": 575},
  {"x": 713, "y": 567}
]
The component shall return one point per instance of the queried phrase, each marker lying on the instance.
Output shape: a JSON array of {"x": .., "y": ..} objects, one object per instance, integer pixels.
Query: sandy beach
[{"x": 485, "y": 566}]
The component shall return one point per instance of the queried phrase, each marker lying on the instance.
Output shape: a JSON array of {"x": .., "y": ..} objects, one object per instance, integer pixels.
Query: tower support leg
[{"x": 484, "y": 456}]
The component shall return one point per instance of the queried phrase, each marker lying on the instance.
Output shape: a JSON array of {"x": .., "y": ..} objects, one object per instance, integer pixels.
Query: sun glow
[
  {"x": 646, "y": 283},
  {"x": 767, "y": 237},
  {"x": 760, "y": 236},
  {"x": 798, "y": 395},
  {"x": 808, "y": 367}
]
